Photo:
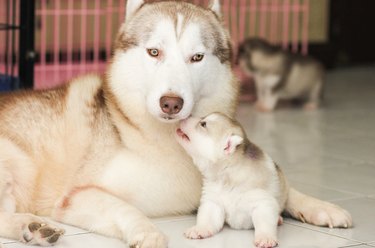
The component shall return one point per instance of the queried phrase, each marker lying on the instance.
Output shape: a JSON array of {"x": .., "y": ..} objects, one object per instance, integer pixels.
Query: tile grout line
[
  {"x": 346, "y": 246},
  {"x": 330, "y": 234}
]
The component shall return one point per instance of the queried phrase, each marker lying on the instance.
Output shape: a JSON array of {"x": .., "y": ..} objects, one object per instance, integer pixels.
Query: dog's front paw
[
  {"x": 265, "y": 241},
  {"x": 149, "y": 240},
  {"x": 37, "y": 233},
  {"x": 199, "y": 232}
]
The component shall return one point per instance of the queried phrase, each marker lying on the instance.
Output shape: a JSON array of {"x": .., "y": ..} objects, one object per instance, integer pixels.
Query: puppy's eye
[
  {"x": 153, "y": 52},
  {"x": 203, "y": 124},
  {"x": 197, "y": 57}
]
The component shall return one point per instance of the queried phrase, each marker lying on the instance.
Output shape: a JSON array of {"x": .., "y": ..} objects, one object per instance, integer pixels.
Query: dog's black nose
[{"x": 171, "y": 104}]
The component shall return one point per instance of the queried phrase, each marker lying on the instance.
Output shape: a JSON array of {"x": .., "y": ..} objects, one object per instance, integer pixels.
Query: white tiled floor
[{"x": 329, "y": 154}]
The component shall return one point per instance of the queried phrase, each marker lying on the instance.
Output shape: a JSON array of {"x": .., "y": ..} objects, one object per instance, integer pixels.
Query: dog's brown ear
[
  {"x": 215, "y": 6},
  {"x": 131, "y": 7},
  {"x": 231, "y": 143}
]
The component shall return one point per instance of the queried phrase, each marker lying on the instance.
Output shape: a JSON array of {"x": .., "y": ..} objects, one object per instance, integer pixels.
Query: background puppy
[
  {"x": 242, "y": 185},
  {"x": 280, "y": 74}
]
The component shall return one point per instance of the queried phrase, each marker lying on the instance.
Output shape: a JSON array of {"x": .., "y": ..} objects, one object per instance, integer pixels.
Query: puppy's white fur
[{"x": 242, "y": 185}]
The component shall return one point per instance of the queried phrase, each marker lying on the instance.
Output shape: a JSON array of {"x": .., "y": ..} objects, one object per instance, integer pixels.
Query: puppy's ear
[
  {"x": 215, "y": 7},
  {"x": 231, "y": 144},
  {"x": 132, "y": 6}
]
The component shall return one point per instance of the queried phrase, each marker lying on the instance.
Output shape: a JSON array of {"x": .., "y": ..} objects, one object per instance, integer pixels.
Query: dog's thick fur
[{"x": 99, "y": 153}]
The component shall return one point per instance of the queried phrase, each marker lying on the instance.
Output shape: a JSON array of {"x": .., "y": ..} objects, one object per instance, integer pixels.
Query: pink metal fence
[
  {"x": 75, "y": 37},
  {"x": 9, "y": 41}
]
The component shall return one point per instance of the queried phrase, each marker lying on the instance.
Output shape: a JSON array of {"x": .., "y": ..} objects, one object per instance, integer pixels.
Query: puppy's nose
[{"x": 171, "y": 104}]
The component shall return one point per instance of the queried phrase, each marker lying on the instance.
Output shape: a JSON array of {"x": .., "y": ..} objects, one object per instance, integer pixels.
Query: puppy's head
[
  {"x": 210, "y": 138},
  {"x": 248, "y": 48}
]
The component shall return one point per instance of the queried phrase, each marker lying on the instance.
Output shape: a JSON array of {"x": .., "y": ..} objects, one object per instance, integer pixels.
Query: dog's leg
[
  {"x": 28, "y": 229},
  {"x": 265, "y": 219},
  {"x": 16, "y": 171},
  {"x": 314, "y": 97},
  {"x": 267, "y": 99},
  {"x": 316, "y": 212},
  {"x": 210, "y": 220},
  {"x": 95, "y": 209}
]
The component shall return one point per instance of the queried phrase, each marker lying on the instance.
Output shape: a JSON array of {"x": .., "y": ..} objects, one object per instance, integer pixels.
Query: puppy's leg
[
  {"x": 95, "y": 209},
  {"x": 265, "y": 219},
  {"x": 268, "y": 103},
  {"x": 314, "y": 97},
  {"x": 267, "y": 99},
  {"x": 210, "y": 220}
]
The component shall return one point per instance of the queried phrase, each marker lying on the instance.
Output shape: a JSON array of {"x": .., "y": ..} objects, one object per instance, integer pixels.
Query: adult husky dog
[{"x": 101, "y": 153}]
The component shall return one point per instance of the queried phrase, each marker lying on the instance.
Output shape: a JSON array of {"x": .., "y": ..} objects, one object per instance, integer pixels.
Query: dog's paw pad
[
  {"x": 149, "y": 240},
  {"x": 265, "y": 242},
  {"x": 42, "y": 234},
  {"x": 198, "y": 232}
]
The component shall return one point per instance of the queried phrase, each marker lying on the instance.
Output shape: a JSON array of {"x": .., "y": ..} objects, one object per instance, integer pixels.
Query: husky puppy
[
  {"x": 100, "y": 153},
  {"x": 242, "y": 185},
  {"x": 279, "y": 74}
]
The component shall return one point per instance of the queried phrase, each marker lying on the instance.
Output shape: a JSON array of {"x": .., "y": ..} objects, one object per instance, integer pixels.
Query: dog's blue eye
[
  {"x": 197, "y": 57},
  {"x": 153, "y": 52}
]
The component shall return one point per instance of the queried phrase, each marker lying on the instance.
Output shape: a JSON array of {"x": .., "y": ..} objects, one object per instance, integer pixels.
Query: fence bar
[
  {"x": 56, "y": 43},
  {"x": 295, "y": 29},
  {"x": 253, "y": 13},
  {"x": 83, "y": 35},
  {"x": 274, "y": 17},
  {"x": 286, "y": 13},
  {"x": 96, "y": 41},
  {"x": 305, "y": 27},
  {"x": 6, "y": 52},
  {"x": 26, "y": 43},
  {"x": 233, "y": 21},
  {"x": 242, "y": 17},
  {"x": 108, "y": 39},
  {"x": 69, "y": 47}
]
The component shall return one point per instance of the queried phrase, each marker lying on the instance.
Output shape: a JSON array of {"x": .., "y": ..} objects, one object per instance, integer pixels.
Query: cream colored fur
[
  {"x": 99, "y": 153},
  {"x": 242, "y": 185}
]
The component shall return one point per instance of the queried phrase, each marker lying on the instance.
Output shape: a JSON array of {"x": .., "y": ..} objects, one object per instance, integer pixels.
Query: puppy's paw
[
  {"x": 265, "y": 241},
  {"x": 259, "y": 106},
  {"x": 199, "y": 232},
  {"x": 310, "y": 106},
  {"x": 39, "y": 233},
  {"x": 328, "y": 215},
  {"x": 149, "y": 240}
]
